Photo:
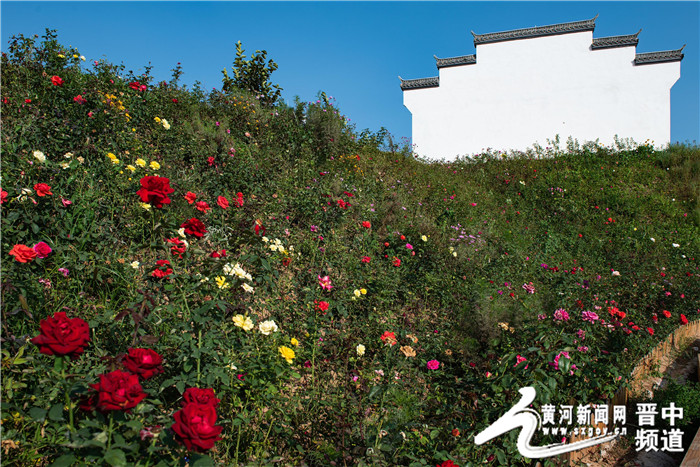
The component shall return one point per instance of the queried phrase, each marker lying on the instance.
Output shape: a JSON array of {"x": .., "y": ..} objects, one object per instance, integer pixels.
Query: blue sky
[{"x": 353, "y": 51}]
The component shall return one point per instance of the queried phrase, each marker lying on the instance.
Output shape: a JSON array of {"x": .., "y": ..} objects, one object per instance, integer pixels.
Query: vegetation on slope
[{"x": 347, "y": 302}]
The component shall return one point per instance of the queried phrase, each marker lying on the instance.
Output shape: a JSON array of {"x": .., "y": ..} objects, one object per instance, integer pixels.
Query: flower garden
[{"x": 222, "y": 278}]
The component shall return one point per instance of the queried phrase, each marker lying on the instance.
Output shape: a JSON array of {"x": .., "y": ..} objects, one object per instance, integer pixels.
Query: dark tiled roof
[
  {"x": 615, "y": 41},
  {"x": 455, "y": 61},
  {"x": 659, "y": 57},
  {"x": 554, "y": 29},
  {"x": 419, "y": 83}
]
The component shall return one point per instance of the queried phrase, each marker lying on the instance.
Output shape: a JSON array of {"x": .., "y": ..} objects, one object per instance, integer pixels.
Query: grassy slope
[{"x": 491, "y": 224}]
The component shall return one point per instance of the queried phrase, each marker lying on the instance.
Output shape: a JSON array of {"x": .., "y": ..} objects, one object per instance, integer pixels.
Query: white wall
[{"x": 524, "y": 91}]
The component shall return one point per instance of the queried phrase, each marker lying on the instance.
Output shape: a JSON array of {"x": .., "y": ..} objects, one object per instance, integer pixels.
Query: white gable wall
[{"x": 524, "y": 91}]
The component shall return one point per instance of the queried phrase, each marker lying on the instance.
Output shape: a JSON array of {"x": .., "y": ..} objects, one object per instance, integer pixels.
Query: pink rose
[
  {"x": 42, "y": 249},
  {"x": 433, "y": 365}
]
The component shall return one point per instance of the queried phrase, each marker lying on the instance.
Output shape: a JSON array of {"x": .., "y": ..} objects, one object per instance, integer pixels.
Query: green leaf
[
  {"x": 201, "y": 461},
  {"x": 373, "y": 392},
  {"x": 115, "y": 457},
  {"x": 56, "y": 412},
  {"x": 65, "y": 460},
  {"x": 38, "y": 414},
  {"x": 501, "y": 457}
]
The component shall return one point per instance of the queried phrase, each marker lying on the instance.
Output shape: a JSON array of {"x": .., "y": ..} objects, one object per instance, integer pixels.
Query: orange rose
[{"x": 23, "y": 253}]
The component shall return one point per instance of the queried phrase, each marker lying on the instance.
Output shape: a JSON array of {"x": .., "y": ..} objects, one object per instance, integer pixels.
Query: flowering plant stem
[
  {"x": 109, "y": 431},
  {"x": 199, "y": 355},
  {"x": 61, "y": 364}
]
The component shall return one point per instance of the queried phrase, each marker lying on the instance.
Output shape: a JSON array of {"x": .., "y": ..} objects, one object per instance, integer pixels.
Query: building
[{"x": 526, "y": 86}]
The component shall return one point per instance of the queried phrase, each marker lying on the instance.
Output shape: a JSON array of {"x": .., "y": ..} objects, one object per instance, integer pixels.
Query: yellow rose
[
  {"x": 295, "y": 342},
  {"x": 221, "y": 282},
  {"x": 131, "y": 167},
  {"x": 141, "y": 162},
  {"x": 154, "y": 165},
  {"x": 287, "y": 353},
  {"x": 157, "y": 120}
]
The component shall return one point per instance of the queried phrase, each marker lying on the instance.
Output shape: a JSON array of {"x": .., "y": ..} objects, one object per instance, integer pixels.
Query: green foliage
[
  {"x": 457, "y": 260},
  {"x": 253, "y": 75}
]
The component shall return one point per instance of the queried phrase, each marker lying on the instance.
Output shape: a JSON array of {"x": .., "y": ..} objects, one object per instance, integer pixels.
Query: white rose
[
  {"x": 267, "y": 327},
  {"x": 38, "y": 155}
]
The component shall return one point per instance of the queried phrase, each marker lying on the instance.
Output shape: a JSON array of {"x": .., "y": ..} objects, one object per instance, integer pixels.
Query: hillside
[{"x": 334, "y": 299}]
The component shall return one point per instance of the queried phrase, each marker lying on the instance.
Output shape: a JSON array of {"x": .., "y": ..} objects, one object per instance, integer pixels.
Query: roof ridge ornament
[
  {"x": 615, "y": 41},
  {"x": 659, "y": 57},
  {"x": 537, "y": 31},
  {"x": 420, "y": 83},
  {"x": 455, "y": 61}
]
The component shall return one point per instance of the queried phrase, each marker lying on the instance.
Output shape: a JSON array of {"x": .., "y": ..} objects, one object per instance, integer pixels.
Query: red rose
[
  {"x": 259, "y": 228},
  {"x": 389, "y": 338},
  {"x": 3, "y": 200},
  {"x": 239, "y": 199},
  {"x": 366, "y": 224},
  {"x": 396, "y": 262},
  {"x": 366, "y": 259},
  {"x": 195, "y": 426},
  {"x": 202, "y": 206},
  {"x": 118, "y": 390},
  {"x": 155, "y": 190},
  {"x": 134, "y": 85},
  {"x": 323, "y": 306},
  {"x": 666, "y": 313},
  {"x": 684, "y": 320},
  {"x": 194, "y": 227},
  {"x": 23, "y": 253},
  {"x": 61, "y": 335},
  {"x": 222, "y": 202},
  {"x": 79, "y": 99},
  {"x": 42, "y": 189},
  {"x": 218, "y": 254},
  {"x": 190, "y": 197},
  {"x": 42, "y": 249},
  {"x": 178, "y": 247},
  {"x": 211, "y": 161},
  {"x": 200, "y": 396},
  {"x": 143, "y": 362},
  {"x": 163, "y": 269},
  {"x": 56, "y": 81}
]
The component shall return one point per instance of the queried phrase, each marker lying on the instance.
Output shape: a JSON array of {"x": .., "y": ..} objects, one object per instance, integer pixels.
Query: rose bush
[
  {"x": 195, "y": 426},
  {"x": 144, "y": 363},
  {"x": 155, "y": 190},
  {"x": 61, "y": 335},
  {"x": 118, "y": 390}
]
